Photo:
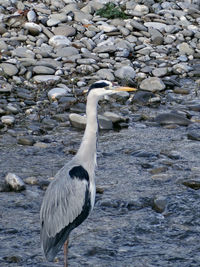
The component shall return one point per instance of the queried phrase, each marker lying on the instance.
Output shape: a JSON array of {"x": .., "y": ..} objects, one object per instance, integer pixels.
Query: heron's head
[{"x": 103, "y": 87}]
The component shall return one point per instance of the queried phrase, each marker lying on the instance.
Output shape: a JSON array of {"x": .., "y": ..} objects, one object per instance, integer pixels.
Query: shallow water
[{"x": 125, "y": 227}]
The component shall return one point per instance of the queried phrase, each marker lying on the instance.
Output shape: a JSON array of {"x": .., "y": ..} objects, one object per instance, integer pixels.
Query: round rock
[
  {"x": 152, "y": 84},
  {"x": 172, "y": 118},
  {"x": 15, "y": 182},
  {"x": 8, "y": 120},
  {"x": 59, "y": 41},
  {"x": 57, "y": 93},
  {"x": 77, "y": 120},
  {"x": 125, "y": 72},
  {"x": 9, "y": 69}
]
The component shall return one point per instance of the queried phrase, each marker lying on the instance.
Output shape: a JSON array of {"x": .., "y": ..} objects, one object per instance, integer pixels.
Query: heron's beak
[{"x": 124, "y": 88}]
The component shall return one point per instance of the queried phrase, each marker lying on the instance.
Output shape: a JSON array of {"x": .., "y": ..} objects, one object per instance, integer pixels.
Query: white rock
[
  {"x": 31, "y": 16},
  {"x": 31, "y": 26},
  {"x": 57, "y": 92},
  {"x": 106, "y": 27},
  {"x": 141, "y": 8},
  {"x": 8, "y": 120},
  {"x": 152, "y": 84},
  {"x": 77, "y": 120},
  {"x": 59, "y": 41},
  {"x": 156, "y": 25},
  {"x": 45, "y": 78},
  {"x": 53, "y": 22},
  {"x": 15, "y": 182}
]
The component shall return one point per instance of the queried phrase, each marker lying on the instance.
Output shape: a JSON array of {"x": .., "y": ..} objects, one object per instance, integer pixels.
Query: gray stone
[
  {"x": 113, "y": 117},
  {"x": 106, "y": 27},
  {"x": 25, "y": 140},
  {"x": 59, "y": 41},
  {"x": 152, "y": 84},
  {"x": 105, "y": 123},
  {"x": 8, "y": 120},
  {"x": 105, "y": 49},
  {"x": 57, "y": 93},
  {"x": 156, "y": 36},
  {"x": 138, "y": 26},
  {"x": 106, "y": 74},
  {"x": 172, "y": 118},
  {"x": 46, "y": 78},
  {"x": 156, "y": 25},
  {"x": 33, "y": 28},
  {"x": 9, "y": 69},
  {"x": 77, "y": 120},
  {"x": 65, "y": 30},
  {"x": 67, "y": 52},
  {"x": 159, "y": 204},
  {"x": 43, "y": 70},
  {"x": 23, "y": 52},
  {"x": 125, "y": 72},
  {"x": 3, "y": 46},
  {"x": 159, "y": 72},
  {"x": 185, "y": 49},
  {"x": 15, "y": 182}
]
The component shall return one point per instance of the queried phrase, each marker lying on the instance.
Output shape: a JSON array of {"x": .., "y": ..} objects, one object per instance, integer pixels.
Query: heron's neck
[{"x": 87, "y": 150}]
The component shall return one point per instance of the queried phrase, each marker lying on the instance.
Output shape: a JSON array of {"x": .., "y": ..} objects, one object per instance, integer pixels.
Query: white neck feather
[{"x": 87, "y": 150}]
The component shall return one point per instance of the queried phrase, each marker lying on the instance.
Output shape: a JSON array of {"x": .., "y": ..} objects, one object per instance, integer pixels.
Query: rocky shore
[
  {"x": 50, "y": 52},
  {"x": 57, "y": 48}
]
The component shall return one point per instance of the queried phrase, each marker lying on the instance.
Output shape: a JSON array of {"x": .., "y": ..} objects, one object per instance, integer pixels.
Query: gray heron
[{"x": 70, "y": 197}]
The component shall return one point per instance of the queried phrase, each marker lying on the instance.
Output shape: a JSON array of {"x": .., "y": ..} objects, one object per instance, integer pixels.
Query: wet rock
[
  {"x": 172, "y": 118},
  {"x": 7, "y": 120},
  {"x": 105, "y": 123},
  {"x": 152, "y": 84},
  {"x": 159, "y": 204},
  {"x": 4, "y": 187},
  {"x": 194, "y": 184},
  {"x": 77, "y": 121},
  {"x": 25, "y": 140},
  {"x": 114, "y": 117},
  {"x": 31, "y": 180},
  {"x": 15, "y": 182},
  {"x": 194, "y": 132},
  {"x": 142, "y": 97}
]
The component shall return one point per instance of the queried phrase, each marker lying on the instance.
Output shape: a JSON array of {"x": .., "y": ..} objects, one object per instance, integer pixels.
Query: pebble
[
  {"x": 7, "y": 119},
  {"x": 25, "y": 140},
  {"x": 152, "y": 84},
  {"x": 15, "y": 182},
  {"x": 77, "y": 121},
  {"x": 59, "y": 41},
  {"x": 172, "y": 118},
  {"x": 159, "y": 204},
  {"x": 57, "y": 93},
  {"x": 9, "y": 69}
]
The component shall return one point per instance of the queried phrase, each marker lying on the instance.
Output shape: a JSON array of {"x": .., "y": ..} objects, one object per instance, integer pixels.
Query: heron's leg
[{"x": 66, "y": 252}]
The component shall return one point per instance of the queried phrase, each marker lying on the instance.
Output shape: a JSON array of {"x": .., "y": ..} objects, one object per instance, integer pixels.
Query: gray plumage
[{"x": 70, "y": 197}]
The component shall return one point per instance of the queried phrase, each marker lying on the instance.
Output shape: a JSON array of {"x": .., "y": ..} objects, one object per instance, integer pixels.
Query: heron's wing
[{"x": 65, "y": 205}]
